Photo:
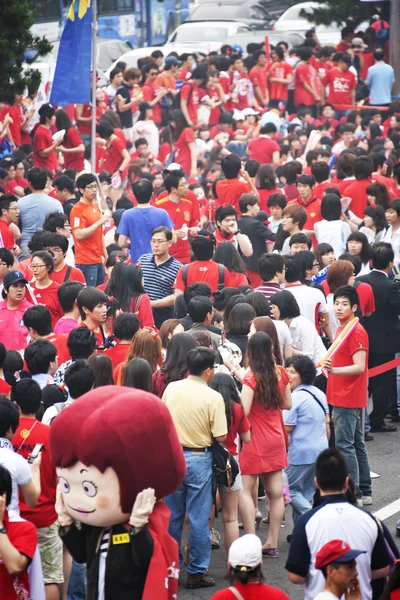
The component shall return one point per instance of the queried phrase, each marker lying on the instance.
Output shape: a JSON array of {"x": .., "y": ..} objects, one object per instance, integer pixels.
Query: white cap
[
  {"x": 238, "y": 115},
  {"x": 246, "y": 552},
  {"x": 174, "y": 167},
  {"x": 249, "y": 111}
]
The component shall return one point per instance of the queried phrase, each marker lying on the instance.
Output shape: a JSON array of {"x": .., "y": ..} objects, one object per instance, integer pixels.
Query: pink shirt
[
  {"x": 65, "y": 325},
  {"x": 13, "y": 333}
]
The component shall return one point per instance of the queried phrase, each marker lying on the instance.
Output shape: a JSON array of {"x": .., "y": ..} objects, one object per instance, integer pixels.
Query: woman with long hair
[
  {"x": 138, "y": 375},
  {"x": 127, "y": 286},
  {"x": 266, "y": 185},
  {"x": 168, "y": 329},
  {"x": 237, "y": 327},
  {"x": 265, "y": 393},
  {"x": 238, "y": 424},
  {"x": 144, "y": 345},
  {"x": 72, "y": 146},
  {"x": 183, "y": 143},
  {"x": 174, "y": 367},
  {"x": 146, "y": 128},
  {"x": 357, "y": 244},
  {"x": 267, "y": 325},
  {"x": 227, "y": 255},
  {"x": 103, "y": 370}
]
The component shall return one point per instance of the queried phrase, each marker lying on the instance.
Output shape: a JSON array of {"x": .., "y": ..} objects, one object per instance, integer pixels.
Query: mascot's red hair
[{"x": 117, "y": 455}]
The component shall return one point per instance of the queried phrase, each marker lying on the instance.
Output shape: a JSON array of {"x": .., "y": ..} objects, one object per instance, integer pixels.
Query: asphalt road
[{"x": 384, "y": 459}]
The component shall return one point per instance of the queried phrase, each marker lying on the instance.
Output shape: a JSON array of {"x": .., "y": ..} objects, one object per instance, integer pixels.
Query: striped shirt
[
  {"x": 268, "y": 289},
  {"x": 158, "y": 279}
]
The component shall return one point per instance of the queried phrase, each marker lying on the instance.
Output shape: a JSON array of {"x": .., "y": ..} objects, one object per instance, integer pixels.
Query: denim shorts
[{"x": 237, "y": 486}]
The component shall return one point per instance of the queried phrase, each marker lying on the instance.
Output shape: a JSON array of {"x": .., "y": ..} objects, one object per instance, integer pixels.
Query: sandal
[{"x": 270, "y": 552}]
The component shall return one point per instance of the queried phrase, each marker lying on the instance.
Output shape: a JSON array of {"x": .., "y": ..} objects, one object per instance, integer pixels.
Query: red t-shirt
[
  {"x": 86, "y": 127},
  {"x": 230, "y": 190},
  {"x": 264, "y": 197},
  {"x": 4, "y": 387},
  {"x": 49, "y": 298},
  {"x": 357, "y": 191},
  {"x": 41, "y": 141},
  {"x": 15, "y": 113},
  {"x": 215, "y": 113},
  {"x": 367, "y": 299},
  {"x": 251, "y": 591},
  {"x": 29, "y": 433},
  {"x": 191, "y": 93},
  {"x": 313, "y": 209},
  {"x": 279, "y": 91},
  {"x": 141, "y": 307},
  {"x": 60, "y": 342},
  {"x": 344, "y": 390},
  {"x": 340, "y": 85},
  {"x": 182, "y": 151},
  {"x": 258, "y": 77},
  {"x": 75, "y": 274},
  {"x": 304, "y": 74},
  {"x": 236, "y": 279},
  {"x": 23, "y": 536},
  {"x": 6, "y": 236},
  {"x": 319, "y": 189},
  {"x": 262, "y": 148},
  {"x": 113, "y": 156},
  {"x": 73, "y": 160},
  {"x": 150, "y": 91},
  {"x": 239, "y": 423},
  {"x": 97, "y": 334},
  {"x": 117, "y": 353},
  {"x": 185, "y": 211},
  {"x": 201, "y": 270}
]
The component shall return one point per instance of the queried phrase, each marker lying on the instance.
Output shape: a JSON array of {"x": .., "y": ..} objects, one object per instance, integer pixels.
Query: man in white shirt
[
  {"x": 392, "y": 234},
  {"x": 311, "y": 301}
]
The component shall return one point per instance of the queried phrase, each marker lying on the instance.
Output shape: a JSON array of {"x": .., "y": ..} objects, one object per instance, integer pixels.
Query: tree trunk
[{"x": 395, "y": 43}]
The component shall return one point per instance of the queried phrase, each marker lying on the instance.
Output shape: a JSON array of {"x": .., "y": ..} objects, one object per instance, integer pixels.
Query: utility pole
[
  {"x": 94, "y": 87},
  {"x": 395, "y": 43}
]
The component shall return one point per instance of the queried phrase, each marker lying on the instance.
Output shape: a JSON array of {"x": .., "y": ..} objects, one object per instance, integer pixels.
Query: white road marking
[
  {"x": 374, "y": 475},
  {"x": 388, "y": 511}
]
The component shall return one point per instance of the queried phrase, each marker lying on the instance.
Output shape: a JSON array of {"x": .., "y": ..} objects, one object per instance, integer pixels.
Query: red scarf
[
  {"x": 222, "y": 236},
  {"x": 162, "y": 576}
]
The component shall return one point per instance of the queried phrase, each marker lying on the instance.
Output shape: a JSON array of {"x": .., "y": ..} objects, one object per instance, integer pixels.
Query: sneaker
[
  {"x": 215, "y": 539},
  {"x": 270, "y": 552},
  {"x": 367, "y": 500},
  {"x": 360, "y": 502},
  {"x": 195, "y": 582}
]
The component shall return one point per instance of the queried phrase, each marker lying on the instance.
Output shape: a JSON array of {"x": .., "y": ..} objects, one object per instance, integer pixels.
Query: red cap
[{"x": 335, "y": 551}]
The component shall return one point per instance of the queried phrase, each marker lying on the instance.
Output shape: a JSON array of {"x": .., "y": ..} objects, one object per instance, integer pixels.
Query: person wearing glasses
[
  {"x": 87, "y": 223},
  {"x": 44, "y": 290}
]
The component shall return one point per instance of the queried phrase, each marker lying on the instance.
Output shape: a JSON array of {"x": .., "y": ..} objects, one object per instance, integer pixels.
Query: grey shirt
[{"x": 34, "y": 208}]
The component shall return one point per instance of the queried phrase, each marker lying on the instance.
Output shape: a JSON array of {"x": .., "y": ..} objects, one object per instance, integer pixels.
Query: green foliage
[
  {"x": 16, "y": 20},
  {"x": 344, "y": 11}
]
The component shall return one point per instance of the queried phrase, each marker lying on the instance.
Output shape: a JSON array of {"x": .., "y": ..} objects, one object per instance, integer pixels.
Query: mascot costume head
[{"x": 109, "y": 447}]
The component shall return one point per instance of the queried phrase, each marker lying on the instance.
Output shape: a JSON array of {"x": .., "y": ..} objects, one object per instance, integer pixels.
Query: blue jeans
[
  {"x": 349, "y": 441},
  {"x": 77, "y": 582},
  {"x": 194, "y": 497},
  {"x": 94, "y": 274},
  {"x": 302, "y": 488}
]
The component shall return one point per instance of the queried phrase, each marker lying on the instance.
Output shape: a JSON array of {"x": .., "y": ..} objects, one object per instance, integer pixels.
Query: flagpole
[{"x": 94, "y": 86}]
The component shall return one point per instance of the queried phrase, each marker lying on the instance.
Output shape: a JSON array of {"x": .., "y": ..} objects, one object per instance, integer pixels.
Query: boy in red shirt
[
  {"x": 44, "y": 148},
  {"x": 357, "y": 190},
  {"x": 306, "y": 82},
  {"x": 258, "y": 77},
  {"x": 27, "y": 396},
  {"x": 279, "y": 75},
  {"x": 307, "y": 200},
  {"x": 184, "y": 213},
  {"x": 347, "y": 390},
  {"x": 18, "y": 542},
  {"x": 153, "y": 93},
  {"x": 342, "y": 85},
  {"x": 190, "y": 95},
  {"x": 37, "y": 320},
  {"x": 92, "y": 304},
  {"x": 9, "y": 213},
  {"x": 57, "y": 245},
  {"x": 229, "y": 190}
]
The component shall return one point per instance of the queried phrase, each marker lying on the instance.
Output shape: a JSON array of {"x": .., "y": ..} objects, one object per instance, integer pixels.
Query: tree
[
  {"x": 17, "y": 18},
  {"x": 345, "y": 12}
]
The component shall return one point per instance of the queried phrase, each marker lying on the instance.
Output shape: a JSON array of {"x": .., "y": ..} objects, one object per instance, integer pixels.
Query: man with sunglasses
[{"x": 87, "y": 223}]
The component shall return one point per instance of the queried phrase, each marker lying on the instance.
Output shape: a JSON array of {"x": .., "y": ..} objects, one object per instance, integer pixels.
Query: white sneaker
[
  {"x": 367, "y": 500},
  {"x": 360, "y": 502}
]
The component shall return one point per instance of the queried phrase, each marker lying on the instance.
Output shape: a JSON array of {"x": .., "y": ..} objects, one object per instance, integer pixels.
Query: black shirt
[
  {"x": 258, "y": 234},
  {"x": 126, "y": 117}
]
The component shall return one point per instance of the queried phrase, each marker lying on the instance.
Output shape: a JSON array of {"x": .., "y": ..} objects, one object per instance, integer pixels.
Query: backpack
[
  {"x": 176, "y": 103},
  {"x": 382, "y": 35},
  {"x": 67, "y": 272},
  {"x": 221, "y": 276}
]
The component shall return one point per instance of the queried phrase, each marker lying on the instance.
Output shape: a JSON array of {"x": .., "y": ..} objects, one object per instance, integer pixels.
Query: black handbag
[{"x": 225, "y": 467}]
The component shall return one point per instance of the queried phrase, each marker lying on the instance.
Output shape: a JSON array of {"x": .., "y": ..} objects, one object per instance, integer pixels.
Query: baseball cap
[
  {"x": 249, "y": 111},
  {"x": 172, "y": 60},
  {"x": 13, "y": 277},
  {"x": 246, "y": 552},
  {"x": 46, "y": 109},
  {"x": 357, "y": 41},
  {"x": 174, "y": 167},
  {"x": 335, "y": 551}
]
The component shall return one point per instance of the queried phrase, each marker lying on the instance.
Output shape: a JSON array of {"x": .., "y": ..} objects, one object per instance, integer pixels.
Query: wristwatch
[
  {"x": 3, "y": 529},
  {"x": 237, "y": 232}
]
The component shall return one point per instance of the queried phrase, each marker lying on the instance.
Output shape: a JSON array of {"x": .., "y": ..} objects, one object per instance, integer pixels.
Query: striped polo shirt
[{"x": 159, "y": 279}]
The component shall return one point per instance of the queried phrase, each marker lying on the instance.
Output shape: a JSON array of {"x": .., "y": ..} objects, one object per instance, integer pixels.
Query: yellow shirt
[{"x": 198, "y": 412}]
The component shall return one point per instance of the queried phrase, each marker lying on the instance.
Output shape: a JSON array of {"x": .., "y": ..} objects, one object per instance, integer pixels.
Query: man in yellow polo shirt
[{"x": 198, "y": 413}]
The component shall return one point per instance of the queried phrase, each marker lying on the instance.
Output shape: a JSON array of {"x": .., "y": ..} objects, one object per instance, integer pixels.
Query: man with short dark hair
[
  {"x": 138, "y": 223},
  {"x": 65, "y": 193},
  {"x": 37, "y": 320},
  {"x": 81, "y": 343},
  {"x": 380, "y": 80},
  {"x": 125, "y": 327},
  {"x": 190, "y": 95},
  {"x": 200, "y": 310},
  {"x": 335, "y": 518},
  {"x": 271, "y": 267},
  {"x": 237, "y": 182},
  {"x": 383, "y": 328},
  {"x": 152, "y": 93},
  {"x": 264, "y": 148},
  {"x": 41, "y": 359},
  {"x": 198, "y": 413},
  {"x": 92, "y": 304},
  {"x": 342, "y": 85},
  {"x": 307, "y": 200},
  {"x": 299, "y": 242},
  {"x": 58, "y": 245},
  {"x": 392, "y": 233},
  {"x": 258, "y": 77},
  {"x": 67, "y": 296},
  {"x": 44, "y": 147},
  {"x": 228, "y": 230},
  {"x": 9, "y": 214},
  {"x": 159, "y": 270},
  {"x": 126, "y": 104},
  {"x": 357, "y": 191}
]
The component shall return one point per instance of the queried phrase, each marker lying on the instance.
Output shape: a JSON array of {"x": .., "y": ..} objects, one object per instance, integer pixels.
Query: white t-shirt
[
  {"x": 20, "y": 472},
  {"x": 306, "y": 339},
  {"x": 334, "y": 233},
  {"x": 284, "y": 337},
  {"x": 311, "y": 301},
  {"x": 326, "y": 596}
]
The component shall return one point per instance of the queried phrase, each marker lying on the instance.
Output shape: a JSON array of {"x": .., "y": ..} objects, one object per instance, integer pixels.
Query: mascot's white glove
[
  {"x": 64, "y": 518},
  {"x": 143, "y": 507}
]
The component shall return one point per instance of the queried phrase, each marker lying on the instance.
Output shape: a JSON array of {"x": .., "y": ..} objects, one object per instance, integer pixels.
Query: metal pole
[{"x": 94, "y": 86}]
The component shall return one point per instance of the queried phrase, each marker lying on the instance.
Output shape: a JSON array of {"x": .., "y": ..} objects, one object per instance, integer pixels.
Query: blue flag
[{"x": 71, "y": 83}]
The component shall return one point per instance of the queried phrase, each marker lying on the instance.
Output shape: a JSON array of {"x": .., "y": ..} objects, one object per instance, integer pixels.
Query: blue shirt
[
  {"x": 138, "y": 223},
  {"x": 380, "y": 78},
  {"x": 308, "y": 437}
]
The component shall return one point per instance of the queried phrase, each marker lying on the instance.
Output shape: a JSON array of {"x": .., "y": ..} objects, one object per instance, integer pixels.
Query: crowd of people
[{"x": 236, "y": 253}]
